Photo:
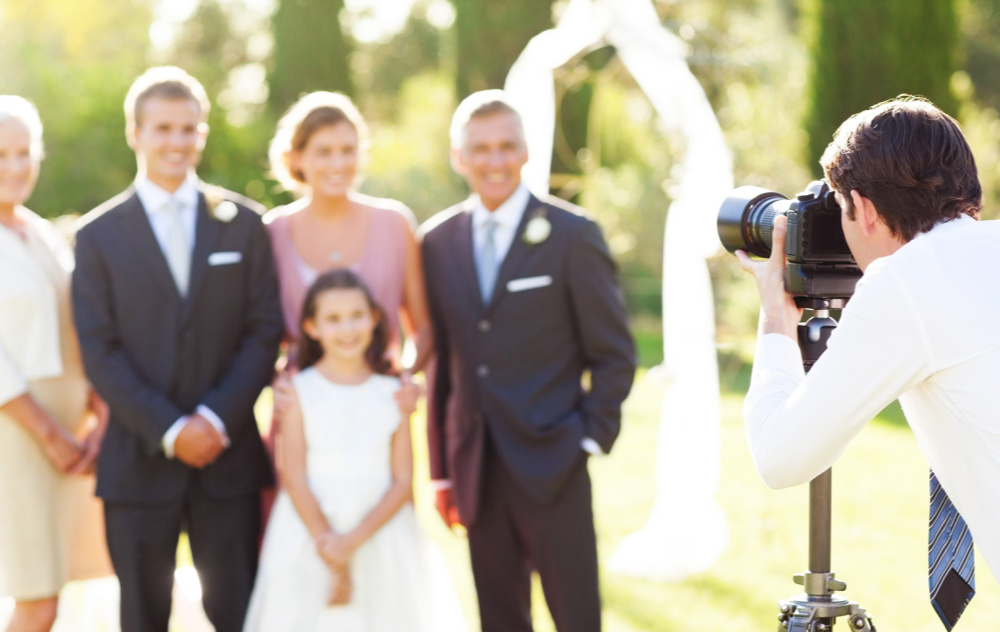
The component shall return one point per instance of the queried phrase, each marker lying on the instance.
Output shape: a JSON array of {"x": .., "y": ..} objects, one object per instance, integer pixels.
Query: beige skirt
[{"x": 51, "y": 525}]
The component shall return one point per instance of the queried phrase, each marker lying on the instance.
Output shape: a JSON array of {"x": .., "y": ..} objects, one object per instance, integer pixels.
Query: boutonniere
[
  {"x": 538, "y": 229},
  {"x": 220, "y": 209}
]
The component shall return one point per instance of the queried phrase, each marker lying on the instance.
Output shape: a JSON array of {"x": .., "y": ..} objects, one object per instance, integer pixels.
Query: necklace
[{"x": 335, "y": 256}]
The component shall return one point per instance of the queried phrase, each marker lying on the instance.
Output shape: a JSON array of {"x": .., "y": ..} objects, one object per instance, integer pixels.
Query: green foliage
[
  {"x": 382, "y": 68},
  {"x": 311, "y": 51},
  {"x": 865, "y": 52},
  {"x": 408, "y": 157},
  {"x": 59, "y": 55},
  {"x": 490, "y": 34},
  {"x": 980, "y": 30}
]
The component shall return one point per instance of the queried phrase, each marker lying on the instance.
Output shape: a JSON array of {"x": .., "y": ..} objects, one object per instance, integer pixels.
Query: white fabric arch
[{"x": 686, "y": 530}]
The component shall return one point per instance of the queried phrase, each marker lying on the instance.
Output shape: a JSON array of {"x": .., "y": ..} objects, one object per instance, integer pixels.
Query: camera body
[{"x": 820, "y": 264}]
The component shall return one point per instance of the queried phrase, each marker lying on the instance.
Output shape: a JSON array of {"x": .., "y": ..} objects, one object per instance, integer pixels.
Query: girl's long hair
[{"x": 310, "y": 351}]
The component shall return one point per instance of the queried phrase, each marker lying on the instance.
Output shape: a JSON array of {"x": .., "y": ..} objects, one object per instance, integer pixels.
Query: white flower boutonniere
[
  {"x": 537, "y": 230},
  {"x": 225, "y": 211}
]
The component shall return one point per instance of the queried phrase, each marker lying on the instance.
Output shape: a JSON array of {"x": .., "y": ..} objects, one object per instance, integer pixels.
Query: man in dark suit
[
  {"x": 176, "y": 303},
  {"x": 525, "y": 300}
]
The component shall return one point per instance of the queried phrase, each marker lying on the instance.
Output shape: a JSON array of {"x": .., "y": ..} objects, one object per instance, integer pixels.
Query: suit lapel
[
  {"x": 141, "y": 240},
  {"x": 519, "y": 251},
  {"x": 206, "y": 234}
]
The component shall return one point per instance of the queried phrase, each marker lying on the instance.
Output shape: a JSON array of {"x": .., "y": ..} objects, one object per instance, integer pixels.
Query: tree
[
  {"x": 310, "y": 51},
  {"x": 490, "y": 35},
  {"x": 865, "y": 52},
  {"x": 75, "y": 61}
]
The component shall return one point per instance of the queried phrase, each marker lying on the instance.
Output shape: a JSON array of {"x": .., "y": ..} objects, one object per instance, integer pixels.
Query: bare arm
[
  {"x": 415, "y": 316},
  {"x": 340, "y": 548},
  {"x": 290, "y": 455},
  {"x": 58, "y": 444}
]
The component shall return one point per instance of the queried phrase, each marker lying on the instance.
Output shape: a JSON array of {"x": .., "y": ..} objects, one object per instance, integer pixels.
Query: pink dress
[{"x": 382, "y": 265}]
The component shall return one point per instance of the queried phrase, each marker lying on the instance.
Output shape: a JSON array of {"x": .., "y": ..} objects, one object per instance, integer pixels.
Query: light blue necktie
[
  {"x": 486, "y": 260},
  {"x": 950, "y": 558},
  {"x": 177, "y": 248}
]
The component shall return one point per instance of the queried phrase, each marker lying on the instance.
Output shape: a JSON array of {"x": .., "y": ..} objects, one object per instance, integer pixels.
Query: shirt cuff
[
  {"x": 214, "y": 419},
  {"x": 778, "y": 352},
  {"x": 170, "y": 438},
  {"x": 440, "y": 484},
  {"x": 591, "y": 446}
]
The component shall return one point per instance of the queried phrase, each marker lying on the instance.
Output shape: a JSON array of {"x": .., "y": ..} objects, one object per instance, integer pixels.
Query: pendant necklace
[{"x": 335, "y": 256}]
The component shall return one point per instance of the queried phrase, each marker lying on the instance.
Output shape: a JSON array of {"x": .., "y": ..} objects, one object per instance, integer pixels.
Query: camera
[{"x": 821, "y": 270}]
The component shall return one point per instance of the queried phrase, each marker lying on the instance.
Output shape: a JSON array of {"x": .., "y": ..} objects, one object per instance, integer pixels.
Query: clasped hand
[
  {"x": 336, "y": 551},
  {"x": 199, "y": 443}
]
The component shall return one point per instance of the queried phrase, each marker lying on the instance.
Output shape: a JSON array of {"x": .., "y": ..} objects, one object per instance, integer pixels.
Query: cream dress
[
  {"x": 51, "y": 525},
  {"x": 399, "y": 578}
]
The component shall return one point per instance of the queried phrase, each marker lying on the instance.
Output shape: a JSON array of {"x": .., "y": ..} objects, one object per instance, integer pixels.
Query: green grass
[
  {"x": 879, "y": 527},
  {"x": 879, "y": 533}
]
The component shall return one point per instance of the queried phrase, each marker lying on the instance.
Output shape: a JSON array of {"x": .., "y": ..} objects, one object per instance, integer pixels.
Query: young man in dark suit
[
  {"x": 525, "y": 300},
  {"x": 176, "y": 303}
]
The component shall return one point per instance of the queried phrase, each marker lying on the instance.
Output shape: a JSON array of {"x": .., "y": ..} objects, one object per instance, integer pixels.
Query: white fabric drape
[{"x": 686, "y": 531}]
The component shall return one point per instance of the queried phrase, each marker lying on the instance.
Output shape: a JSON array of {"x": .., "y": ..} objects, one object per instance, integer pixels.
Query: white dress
[{"x": 399, "y": 580}]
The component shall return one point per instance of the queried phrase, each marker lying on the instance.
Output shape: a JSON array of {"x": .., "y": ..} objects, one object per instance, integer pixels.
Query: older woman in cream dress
[{"x": 51, "y": 528}]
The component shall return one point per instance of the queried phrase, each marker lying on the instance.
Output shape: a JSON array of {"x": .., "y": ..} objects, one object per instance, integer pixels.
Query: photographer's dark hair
[
  {"x": 910, "y": 159},
  {"x": 310, "y": 351}
]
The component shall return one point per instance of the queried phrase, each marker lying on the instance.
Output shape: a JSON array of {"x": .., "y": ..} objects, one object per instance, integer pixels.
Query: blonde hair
[
  {"x": 307, "y": 116},
  {"x": 164, "y": 82},
  {"x": 15, "y": 108}
]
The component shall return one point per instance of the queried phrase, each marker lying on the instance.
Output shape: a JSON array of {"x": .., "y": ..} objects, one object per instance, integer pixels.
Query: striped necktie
[{"x": 950, "y": 558}]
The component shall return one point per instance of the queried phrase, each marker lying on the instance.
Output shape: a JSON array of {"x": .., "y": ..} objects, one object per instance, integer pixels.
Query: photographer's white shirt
[{"x": 923, "y": 327}]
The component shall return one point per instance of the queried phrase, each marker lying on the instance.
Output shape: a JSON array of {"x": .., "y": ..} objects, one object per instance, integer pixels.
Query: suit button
[
  {"x": 484, "y": 325},
  {"x": 483, "y": 371},
  {"x": 188, "y": 336}
]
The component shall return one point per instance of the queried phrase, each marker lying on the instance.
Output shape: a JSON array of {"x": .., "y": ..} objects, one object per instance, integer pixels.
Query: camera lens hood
[{"x": 737, "y": 229}]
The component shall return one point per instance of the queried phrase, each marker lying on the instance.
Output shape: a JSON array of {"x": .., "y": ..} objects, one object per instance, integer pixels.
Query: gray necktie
[
  {"x": 176, "y": 248},
  {"x": 486, "y": 261}
]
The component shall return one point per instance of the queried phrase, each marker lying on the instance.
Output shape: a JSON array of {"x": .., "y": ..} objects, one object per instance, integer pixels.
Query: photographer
[{"x": 920, "y": 327}]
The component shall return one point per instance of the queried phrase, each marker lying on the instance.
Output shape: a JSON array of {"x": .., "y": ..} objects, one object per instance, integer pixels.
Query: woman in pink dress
[{"x": 315, "y": 153}]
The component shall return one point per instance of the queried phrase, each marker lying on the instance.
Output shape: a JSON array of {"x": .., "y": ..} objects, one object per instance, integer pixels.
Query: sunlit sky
[{"x": 384, "y": 18}]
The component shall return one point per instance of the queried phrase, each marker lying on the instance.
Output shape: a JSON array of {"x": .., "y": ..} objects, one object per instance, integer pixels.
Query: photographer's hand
[{"x": 779, "y": 315}]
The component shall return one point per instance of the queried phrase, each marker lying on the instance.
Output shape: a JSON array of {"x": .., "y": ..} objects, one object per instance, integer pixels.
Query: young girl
[{"x": 343, "y": 551}]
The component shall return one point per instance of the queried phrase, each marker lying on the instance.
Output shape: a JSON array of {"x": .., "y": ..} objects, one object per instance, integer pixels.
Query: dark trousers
[
  {"x": 142, "y": 540},
  {"x": 512, "y": 536}
]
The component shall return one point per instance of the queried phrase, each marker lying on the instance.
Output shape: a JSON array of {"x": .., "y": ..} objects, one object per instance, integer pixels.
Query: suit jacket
[
  {"x": 155, "y": 356},
  {"x": 516, "y": 365}
]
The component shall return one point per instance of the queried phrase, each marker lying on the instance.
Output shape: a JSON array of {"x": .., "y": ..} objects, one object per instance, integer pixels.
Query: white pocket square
[
  {"x": 528, "y": 283},
  {"x": 224, "y": 258}
]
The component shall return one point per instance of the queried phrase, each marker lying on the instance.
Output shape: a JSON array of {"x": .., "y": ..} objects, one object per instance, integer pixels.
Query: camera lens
[{"x": 746, "y": 219}]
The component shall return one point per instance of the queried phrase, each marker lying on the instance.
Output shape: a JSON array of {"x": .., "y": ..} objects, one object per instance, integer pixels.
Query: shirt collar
[
  {"x": 153, "y": 197},
  {"x": 508, "y": 214}
]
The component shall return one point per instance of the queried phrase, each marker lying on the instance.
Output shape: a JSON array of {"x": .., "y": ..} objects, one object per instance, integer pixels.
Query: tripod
[{"x": 817, "y": 609}]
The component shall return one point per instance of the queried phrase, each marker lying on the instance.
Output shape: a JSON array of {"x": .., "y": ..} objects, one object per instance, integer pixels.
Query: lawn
[{"x": 879, "y": 533}]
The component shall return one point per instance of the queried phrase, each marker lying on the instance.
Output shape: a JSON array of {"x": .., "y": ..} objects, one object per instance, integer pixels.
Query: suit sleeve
[
  {"x": 438, "y": 380},
  {"x": 252, "y": 367},
  {"x": 602, "y": 326},
  {"x": 140, "y": 408}
]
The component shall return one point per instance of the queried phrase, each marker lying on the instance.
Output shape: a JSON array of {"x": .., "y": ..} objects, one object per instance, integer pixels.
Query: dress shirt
[
  {"x": 154, "y": 199},
  {"x": 507, "y": 217},
  {"x": 921, "y": 327}
]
